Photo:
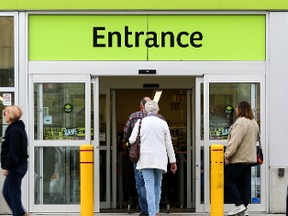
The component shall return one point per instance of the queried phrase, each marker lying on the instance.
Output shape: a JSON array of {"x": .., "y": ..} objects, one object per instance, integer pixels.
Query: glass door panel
[
  {"x": 104, "y": 151},
  {"x": 61, "y": 116},
  {"x": 217, "y": 98},
  {"x": 57, "y": 175},
  {"x": 60, "y": 111},
  {"x": 223, "y": 98}
]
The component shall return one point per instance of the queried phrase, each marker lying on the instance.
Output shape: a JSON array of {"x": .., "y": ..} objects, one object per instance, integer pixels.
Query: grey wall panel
[{"x": 277, "y": 88}]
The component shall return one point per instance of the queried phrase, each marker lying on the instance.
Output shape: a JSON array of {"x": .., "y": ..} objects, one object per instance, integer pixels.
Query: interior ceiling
[{"x": 137, "y": 82}]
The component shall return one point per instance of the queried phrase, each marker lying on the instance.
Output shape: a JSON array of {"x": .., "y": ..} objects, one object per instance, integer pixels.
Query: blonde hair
[{"x": 13, "y": 112}]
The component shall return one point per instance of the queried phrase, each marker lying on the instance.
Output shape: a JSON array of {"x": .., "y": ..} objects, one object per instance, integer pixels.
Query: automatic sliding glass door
[
  {"x": 62, "y": 119},
  {"x": 217, "y": 98}
]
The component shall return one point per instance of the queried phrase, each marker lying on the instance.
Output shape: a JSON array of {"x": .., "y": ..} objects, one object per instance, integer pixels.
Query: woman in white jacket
[{"x": 155, "y": 145}]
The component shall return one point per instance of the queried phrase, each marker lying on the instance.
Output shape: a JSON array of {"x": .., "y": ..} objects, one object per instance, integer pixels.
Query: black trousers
[
  {"x": 12, "y": 189},
  {"x": 237, "y": 183}
]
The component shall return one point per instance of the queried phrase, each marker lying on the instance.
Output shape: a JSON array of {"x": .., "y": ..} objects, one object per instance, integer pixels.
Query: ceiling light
[{"x": 157, "y": 96}]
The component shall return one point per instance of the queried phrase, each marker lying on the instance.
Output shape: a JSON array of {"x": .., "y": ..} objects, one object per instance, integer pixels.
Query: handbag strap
[
  {"x": 259, "y": 140},
  {"x": 139, "y": 127}
]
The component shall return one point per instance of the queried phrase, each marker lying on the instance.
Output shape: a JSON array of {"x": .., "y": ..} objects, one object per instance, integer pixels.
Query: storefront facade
[{"x": 72, "y": 68}]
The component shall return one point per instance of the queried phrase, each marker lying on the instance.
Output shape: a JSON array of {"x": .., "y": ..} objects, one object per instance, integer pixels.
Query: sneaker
[
  {"x": 237, "y": 210},
  {"x": 245, "y": 213}
]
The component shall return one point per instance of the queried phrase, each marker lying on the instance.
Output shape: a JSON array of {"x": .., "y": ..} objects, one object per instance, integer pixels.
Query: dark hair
[
  {"x": 244, "y": 110},
  {"x": 143, "y": 101}
]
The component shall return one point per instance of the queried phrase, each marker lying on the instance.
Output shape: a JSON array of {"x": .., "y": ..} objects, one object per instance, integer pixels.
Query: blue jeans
[
  {"x": 141, "y": 191},
  {"x": 153, "y": 181},
  {"x": 12, "y": 189}
]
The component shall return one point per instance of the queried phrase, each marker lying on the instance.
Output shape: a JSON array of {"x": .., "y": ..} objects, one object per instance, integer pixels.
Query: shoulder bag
[
  {"x": 259, "y": 155},
  {"x": 134, "y": 152},
  {"x": 260, "y": 158}
]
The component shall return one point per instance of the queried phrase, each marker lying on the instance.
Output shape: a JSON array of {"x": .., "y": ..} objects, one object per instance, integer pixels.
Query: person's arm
[
  {"x": 237, "y": 134},
  {"x": 14, "y": 148},
  {"x": 5, "y": 172},
  {"x": 170, "y": 149},
  {"x": 127, "y": 129},
  {"x": 134, "y": 133}
]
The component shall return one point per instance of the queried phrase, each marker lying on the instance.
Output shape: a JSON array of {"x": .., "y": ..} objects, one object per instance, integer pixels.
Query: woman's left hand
[
  {"x": 226, "y": 161},
  {"x": 173, "y": 167},
  {"x": 5, "y": 172}
]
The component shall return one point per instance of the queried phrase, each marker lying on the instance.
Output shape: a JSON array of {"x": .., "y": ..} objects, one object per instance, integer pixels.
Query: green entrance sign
[{"x": 147, "y": 37}]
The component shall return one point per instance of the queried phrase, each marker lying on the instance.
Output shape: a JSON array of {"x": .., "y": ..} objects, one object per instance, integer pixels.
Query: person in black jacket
[{"x": 14, "y": 159}]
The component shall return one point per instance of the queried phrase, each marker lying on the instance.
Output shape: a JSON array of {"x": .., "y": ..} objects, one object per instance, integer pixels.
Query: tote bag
[{"x": 134, "y": 152}]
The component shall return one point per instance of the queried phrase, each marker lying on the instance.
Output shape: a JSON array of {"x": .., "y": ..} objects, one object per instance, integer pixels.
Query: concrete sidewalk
[
  {"x": 180, "y": 214},
  {"x": 161, "y": 214}
]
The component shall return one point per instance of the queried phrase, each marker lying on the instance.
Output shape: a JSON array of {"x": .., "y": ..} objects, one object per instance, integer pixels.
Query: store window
[
  {"x": 60, "y": 111},
  {"x": 7, "y": 76},
  {"x": 7, "y": 51},
  {"x": 223, "y": 99}
]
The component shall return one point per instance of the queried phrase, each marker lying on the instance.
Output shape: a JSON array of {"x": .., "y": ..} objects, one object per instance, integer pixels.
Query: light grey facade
[{"x": 103, "y": 78}]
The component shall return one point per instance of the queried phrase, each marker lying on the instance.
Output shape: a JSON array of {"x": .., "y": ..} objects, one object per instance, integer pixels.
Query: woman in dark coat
[{"x": 14, "y": 159}]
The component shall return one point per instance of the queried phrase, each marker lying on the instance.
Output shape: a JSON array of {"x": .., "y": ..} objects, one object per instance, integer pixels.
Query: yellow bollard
[
  {"x": 86, "y": 180},
  {"x": 217, "y": 179}
]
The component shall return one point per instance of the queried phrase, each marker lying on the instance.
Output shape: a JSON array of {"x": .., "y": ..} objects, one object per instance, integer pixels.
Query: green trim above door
[{"x": 144, "y": 5}]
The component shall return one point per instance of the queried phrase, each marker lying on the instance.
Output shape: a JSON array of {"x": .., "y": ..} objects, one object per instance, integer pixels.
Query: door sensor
[
  {"x": 147, "y": 71},
  {"x": 151, "y": 85}
]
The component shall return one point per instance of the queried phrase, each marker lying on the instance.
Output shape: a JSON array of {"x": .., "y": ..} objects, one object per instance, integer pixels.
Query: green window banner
[
  {"x": 144, "y": 5},
  {"x": 147, "y": 37}
]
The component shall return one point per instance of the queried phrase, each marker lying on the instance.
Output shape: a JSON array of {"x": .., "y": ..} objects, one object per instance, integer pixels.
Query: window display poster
[{"x": 7, "y": 99}]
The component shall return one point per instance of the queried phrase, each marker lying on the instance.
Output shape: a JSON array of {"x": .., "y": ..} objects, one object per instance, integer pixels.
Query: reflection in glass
[
  {"x": 60, "y": 111},
  {"x": 223, "y": 98},
  {"x": 57, "y": 175}
]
